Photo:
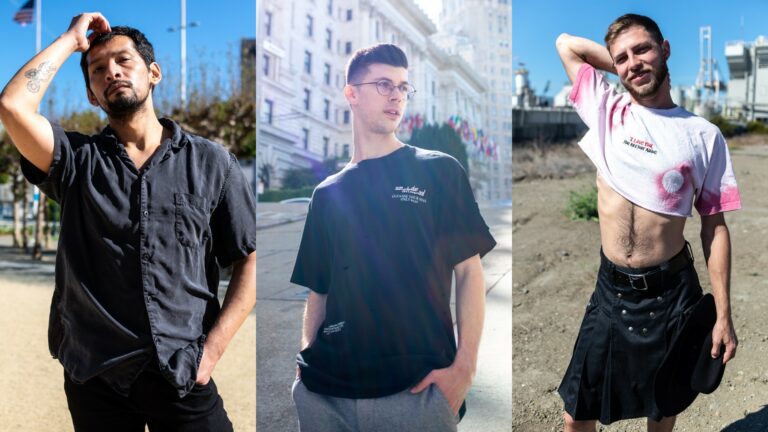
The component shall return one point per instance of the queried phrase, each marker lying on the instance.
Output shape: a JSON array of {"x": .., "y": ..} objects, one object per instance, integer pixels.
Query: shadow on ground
[
  {"x": 753, "y": 422},
  {"x": 17, "y": 264}
]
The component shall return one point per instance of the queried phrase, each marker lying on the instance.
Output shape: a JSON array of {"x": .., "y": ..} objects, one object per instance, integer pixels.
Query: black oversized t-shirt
[{"x": 381, "y": 240}]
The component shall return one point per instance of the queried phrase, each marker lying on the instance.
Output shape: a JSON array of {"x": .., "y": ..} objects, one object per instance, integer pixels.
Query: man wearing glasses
[{"x": 382, "y": 239}]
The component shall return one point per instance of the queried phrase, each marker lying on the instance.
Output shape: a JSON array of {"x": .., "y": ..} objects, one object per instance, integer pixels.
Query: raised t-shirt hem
[
  {"x": 724, "y": 207},
  {"x": 639, "y": 203}
]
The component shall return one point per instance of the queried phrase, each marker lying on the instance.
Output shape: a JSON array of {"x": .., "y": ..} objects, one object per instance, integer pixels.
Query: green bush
[
  {"x": 276, "y": 195},
  {"x": 757, "y": 127},
  {"x": 8, "y": 230},
  {"x": 727, "y": 128},
  {"x": 583, "y": 205},
  {"x": 298, "y": 178},
  {"x": 441, "y": 138}
]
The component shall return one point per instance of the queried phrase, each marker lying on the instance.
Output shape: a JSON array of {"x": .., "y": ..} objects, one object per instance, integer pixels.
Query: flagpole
[
  {"x": 38, "y": 23},
  {"x": 38, "y": 19},
  {"x": 183, "y": 32},
  {"x": 182, "y": 28}
]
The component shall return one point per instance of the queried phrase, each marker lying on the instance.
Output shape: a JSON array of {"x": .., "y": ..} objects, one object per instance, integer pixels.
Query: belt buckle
[{"x": 634, "y": 278}]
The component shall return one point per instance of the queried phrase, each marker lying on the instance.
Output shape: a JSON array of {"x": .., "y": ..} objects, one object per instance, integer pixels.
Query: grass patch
[
  {"x": 8, "y": 230},
  {"x": 583, "y": 205}
]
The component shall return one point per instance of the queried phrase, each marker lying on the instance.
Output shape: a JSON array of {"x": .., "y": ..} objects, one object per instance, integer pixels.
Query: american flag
[{"x": 25, "y": 15}]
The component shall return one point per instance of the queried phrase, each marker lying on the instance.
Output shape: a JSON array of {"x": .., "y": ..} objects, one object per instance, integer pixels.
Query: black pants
[{"x": 96, "y": 407}]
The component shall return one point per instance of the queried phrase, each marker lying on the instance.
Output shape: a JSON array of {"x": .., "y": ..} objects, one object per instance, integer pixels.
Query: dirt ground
[
  {"x": 32, "y": 397},
  {"x": 555, "y": 261}
]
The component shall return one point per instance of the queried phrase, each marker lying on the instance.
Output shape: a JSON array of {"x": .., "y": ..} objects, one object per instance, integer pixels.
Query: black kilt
[{"x": 622, "y": 341}]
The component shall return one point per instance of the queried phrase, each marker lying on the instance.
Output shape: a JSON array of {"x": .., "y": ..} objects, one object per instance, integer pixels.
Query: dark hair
[
  {"x": 382, "y": 53},
  {"x": 624, "y": 22},
  {"x": 140, "y": 42}
]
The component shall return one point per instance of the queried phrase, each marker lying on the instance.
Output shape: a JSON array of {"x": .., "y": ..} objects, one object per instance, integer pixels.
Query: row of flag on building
[
  {"x": 475, "y": 139},
  {"x": 26, "y": 14},
  {"x": 485, "y": 146},
  {"x": 411, "y": 122}
]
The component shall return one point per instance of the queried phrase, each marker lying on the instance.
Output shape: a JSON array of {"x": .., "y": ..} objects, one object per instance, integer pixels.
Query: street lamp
[{"x": 182, "y": 28}]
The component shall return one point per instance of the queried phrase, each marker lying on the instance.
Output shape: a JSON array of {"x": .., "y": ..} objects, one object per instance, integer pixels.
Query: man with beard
[
  {"x": 148, "y": 213},
  {"x": 654, "y": 162}
]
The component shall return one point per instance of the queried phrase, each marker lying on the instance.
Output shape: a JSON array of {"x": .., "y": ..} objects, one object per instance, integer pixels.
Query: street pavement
[
  {"x": 18, "y": 266},
  {"x": 280, "y": 305}
]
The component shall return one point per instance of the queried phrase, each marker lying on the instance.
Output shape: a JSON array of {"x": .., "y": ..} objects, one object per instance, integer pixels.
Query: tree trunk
[
  {"x": 18, "y": 182},
  {"x": 37, "y": 249},
  {"x": 48, "y": 226},
  {"x": 24, "y": 209}
]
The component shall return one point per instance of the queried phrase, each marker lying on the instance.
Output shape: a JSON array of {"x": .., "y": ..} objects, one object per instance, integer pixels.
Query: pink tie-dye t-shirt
[{"x": 663, "y": 160}]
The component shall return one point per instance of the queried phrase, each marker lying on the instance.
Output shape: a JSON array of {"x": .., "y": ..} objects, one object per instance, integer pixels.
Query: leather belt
[{"x": 654, "y": 277}]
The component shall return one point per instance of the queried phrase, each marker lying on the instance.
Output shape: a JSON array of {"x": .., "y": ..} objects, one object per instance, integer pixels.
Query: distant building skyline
[
  {"x": 484, "y": 40},
  {"x": 536, "y": 28}
]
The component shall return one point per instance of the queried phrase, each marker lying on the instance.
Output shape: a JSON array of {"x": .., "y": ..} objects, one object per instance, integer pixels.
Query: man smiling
[
  {"x": 654, "y": 161},
  {"x": 380, "y": 244},
  {"x": 149, "y": 212}
]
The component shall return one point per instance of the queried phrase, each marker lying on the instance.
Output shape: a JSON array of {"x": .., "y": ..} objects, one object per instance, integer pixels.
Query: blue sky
[
  {"x": 537, "y": 23},
  {"x": 220, "y": 30}
]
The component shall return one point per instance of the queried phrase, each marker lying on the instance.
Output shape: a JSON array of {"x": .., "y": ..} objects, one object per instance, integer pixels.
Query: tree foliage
[
  {"x": 266, "y": 172},
  {"x": 231, "y": 123},
  {"x": 9, "y": 158},
  {"x": 441, "y": 138},
  {"x": 87, "y": 122},
  {"x": 727, "y": 128}
]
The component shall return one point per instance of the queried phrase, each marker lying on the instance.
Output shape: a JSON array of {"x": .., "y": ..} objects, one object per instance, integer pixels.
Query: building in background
[
  {"x": 481, "y": 32},
  {"x": 301, "y": 57},
  {"x": 748, "y": 85}
]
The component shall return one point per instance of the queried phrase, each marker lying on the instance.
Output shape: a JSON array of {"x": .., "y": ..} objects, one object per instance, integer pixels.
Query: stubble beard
[
  {"x": 651, "y": 89},
  {"x": 123, "y": 105}
]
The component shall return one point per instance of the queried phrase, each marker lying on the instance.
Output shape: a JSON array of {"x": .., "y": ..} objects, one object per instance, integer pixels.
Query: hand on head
[{"x": 80, "y": 25}]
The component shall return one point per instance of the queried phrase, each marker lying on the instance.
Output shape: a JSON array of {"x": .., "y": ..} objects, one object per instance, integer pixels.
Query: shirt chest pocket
[{"x": 191, "y": 220}]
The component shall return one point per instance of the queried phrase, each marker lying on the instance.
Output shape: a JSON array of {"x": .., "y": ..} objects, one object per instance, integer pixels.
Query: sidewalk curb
[{"x": 280, "y": 222}]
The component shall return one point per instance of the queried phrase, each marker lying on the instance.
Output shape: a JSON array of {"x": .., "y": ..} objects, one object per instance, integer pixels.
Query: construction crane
[{"x": 708, "y": 82}]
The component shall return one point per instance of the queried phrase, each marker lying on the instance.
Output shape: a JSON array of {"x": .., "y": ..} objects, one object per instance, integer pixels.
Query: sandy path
[
  {"x": 555, "y": 261},
  {"x": 33, "y": 397}
]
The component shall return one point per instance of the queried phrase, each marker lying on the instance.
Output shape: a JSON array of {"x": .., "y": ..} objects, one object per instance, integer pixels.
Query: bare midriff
[{"x": 632, "y": 236}]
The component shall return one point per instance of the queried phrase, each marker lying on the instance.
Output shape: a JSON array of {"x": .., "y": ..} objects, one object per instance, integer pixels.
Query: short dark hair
[
  {"x": 140, "y": 42},
  {"x": 382, "y": 53},
  {"x": 624, "y": 22}
]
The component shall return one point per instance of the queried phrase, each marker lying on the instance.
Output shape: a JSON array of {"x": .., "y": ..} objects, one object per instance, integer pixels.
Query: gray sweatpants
[{"x": 427, "y": 411}]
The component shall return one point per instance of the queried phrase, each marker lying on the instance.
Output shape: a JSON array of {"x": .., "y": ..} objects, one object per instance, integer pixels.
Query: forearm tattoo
[{"x": 44, "y": 72}]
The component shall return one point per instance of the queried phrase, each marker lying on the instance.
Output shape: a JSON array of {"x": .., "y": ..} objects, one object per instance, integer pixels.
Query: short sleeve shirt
[
  {"x": 381, "y": 239},
  {"x": 139, "y": 249},
  {"x": 664, "y": 160}
]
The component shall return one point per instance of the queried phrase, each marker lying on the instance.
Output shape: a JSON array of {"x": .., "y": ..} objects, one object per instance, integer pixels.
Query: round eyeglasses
[{"x": 386, "y": 87}]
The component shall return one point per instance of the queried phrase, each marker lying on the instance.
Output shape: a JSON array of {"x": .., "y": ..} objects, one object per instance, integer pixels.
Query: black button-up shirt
[{"x": 136, "y": 267}]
